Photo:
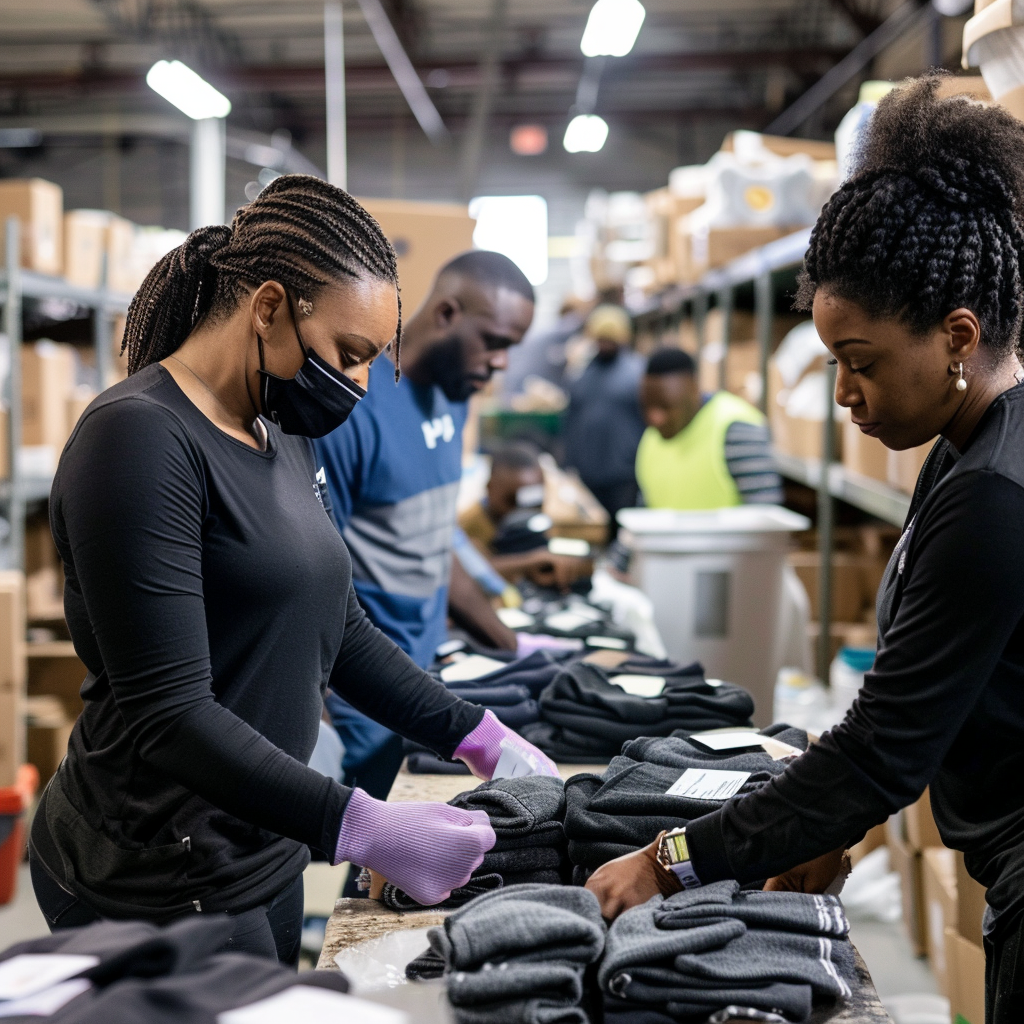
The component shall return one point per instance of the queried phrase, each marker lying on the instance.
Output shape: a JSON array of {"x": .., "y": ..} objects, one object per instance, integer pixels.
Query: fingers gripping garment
[{"x": 531, "y": 805}]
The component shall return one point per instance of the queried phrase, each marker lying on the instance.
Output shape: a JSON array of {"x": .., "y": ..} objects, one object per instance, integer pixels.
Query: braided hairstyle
[
  {"x": 931, "y": 220},
  {"x": 299, "y": 231}
]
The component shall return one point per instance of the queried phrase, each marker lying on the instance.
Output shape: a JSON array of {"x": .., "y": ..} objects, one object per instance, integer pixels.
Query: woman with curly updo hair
[{"x": 914, "y": 278}]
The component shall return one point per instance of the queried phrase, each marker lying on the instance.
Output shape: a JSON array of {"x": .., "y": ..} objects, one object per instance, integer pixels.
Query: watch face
[{"x": 676, "y": 848}]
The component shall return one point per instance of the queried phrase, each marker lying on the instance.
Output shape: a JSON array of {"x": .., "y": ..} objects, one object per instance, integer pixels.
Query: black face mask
[
  {"x": 446, "y": 366},
  {"x": 315, "y": 401}
]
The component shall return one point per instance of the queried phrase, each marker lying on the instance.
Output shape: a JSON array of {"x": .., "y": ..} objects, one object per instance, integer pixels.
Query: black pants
[
  {"x": 273, "y": 931},
  {"x": 1004, "y": 974}
]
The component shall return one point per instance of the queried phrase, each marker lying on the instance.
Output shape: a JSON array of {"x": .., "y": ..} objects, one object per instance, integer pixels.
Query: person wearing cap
[
  {"x": 700, "y": 451},
  {"x": 605, "y": 422}
]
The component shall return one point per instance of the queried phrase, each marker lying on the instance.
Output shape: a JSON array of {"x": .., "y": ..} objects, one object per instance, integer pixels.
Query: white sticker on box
[
  {"x": 475, "y": 666},
  {"x": 312, "y": 1006},
  {"x": 47, "y": 1002},
  {"x": 640, "y": 686},
  {"x": 515, "y": 618},
  {"x": 28, "y": 973},
  {"x": 708, "y": 784},
  {"x": 736, "y": 739}
]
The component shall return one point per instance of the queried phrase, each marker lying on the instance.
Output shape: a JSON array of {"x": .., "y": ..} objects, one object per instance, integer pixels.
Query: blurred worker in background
[
  {"x": 700, "y": 451},
  {"x": 605, "y": 422}
]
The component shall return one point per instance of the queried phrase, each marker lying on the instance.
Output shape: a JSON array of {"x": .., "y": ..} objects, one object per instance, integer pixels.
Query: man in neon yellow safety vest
[{"x": 700, "y": 451}]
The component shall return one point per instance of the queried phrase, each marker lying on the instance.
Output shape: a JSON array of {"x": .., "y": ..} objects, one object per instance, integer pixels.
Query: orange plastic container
[{"x": 14, "y": 801}]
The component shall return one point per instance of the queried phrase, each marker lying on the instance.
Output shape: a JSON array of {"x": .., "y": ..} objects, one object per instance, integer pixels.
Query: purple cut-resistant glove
[
  {"x": 425, "y": 849},
  {"x": 482, "y": 749}
]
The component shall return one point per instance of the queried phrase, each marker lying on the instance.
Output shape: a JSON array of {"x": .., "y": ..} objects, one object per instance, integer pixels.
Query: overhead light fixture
[
  {"x": 586, "y": 133},
  {"x": 612, "y": 28},
  {"x": 517, "y": 227},
  {"x": 191, "y": 94}
]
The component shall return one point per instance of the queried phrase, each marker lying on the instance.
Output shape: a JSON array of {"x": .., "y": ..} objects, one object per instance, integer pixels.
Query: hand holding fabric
[
  {"x": 482, "y": 749},
  {"x": 815, "y": 876},
  {"x": 426, "y": 849},
  {"x": 630, "y": 880}
]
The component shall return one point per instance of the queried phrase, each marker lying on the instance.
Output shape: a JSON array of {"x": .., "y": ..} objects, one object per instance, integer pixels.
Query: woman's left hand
[{"x": 482, "y": 749}]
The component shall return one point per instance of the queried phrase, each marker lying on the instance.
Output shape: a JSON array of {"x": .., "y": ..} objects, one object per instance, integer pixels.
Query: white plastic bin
[{"x": 716, "y": 581}]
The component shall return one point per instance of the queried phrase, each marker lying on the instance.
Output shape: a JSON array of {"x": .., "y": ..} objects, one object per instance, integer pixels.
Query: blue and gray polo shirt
[{"x": 392, "y": 471}]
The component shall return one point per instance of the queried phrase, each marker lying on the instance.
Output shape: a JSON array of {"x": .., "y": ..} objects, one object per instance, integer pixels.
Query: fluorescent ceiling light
[
  {"x": 517, "y": 227},
  {"x": 192, "y": 95},
  {"x": 612, "y": 28},
  {"x": 586, "y": 134}
]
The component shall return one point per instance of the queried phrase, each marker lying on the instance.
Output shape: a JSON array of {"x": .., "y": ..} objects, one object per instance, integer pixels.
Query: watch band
[{"x": 674, "y": 855}]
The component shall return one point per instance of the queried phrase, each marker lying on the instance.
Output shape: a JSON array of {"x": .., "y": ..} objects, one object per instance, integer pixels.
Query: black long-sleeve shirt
[
  {"x": 944, "y": 702},
  {"x": 209, "y": 595}
]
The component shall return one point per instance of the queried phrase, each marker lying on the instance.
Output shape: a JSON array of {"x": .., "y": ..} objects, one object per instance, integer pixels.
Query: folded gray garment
[
  {"x": 531, "y": 805},
  {"x": 529, "y": 1011},
  {"x": 524, "y": 923},
  {"x": 777, "y": 911},
  {"x": 554, "y": 981},
  {"x": 524, "y": 858}
]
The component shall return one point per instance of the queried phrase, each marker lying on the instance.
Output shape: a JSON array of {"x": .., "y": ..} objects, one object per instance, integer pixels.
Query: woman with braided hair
[
  {"x": 914, "y": 277},
  {"x": 209, "y": 595}
]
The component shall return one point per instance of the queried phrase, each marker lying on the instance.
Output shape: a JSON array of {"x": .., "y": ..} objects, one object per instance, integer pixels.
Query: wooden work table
[{"x": 356, "y": 920}]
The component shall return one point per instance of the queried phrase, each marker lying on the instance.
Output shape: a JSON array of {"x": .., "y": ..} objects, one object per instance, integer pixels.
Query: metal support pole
[
  {"x": 207, "y": 170},
  {"x": 725, "y": 305},
  {"x": 764, "y": 307},
  {"x": 12, "y": 328},
  {"x": 826, "y": 510},
  {"x": 334, "y": 81},
  {"x": 102, "y": 328},
  {"x": 700, "y": 318}
]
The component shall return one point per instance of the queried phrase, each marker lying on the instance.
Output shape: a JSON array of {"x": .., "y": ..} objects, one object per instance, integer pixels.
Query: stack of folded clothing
[
  {"x": 629, "y": 804},
  {"x": 136, "y": 971},
  {"x": 519, "y": 956},
  {"x": 526, "y": 814},
  {"x": 586, "y": 715},
  {"x": 703, "y": 950}
]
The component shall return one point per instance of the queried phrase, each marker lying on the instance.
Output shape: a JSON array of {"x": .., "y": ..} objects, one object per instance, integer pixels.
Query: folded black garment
[
  {"x": 498, "y": 695},
  {"x": 520, "y": 859},
  {"x": 677, "y": 749},
  {"x": 396, "y": 899},
  {"x": 518, "y": 716},
  {"x": 533, "y": 673},
  {"x": 425, "y": 762},
  {"x": 531, "y": 805},
  {"x": 428, "y": 965},
  {"x": 550, "y": 877}
]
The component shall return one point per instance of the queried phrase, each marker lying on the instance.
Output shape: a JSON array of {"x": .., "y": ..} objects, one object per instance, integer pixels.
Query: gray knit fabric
[
  {"x": 531, "y": 805},
  {"x": 555, "y": 982},
  {"x": 529, "y": 1011}
]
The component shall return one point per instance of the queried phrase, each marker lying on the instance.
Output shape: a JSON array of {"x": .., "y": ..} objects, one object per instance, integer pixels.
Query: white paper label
[
  {"x": 610, "y": 643},
  {"x": 734, "y": 740},
  {"x": 570, "y": 546},
  {"x": 713, "y": 682},
  {"x": 566, "y": 622},
  {"x": 640, "y": 686},
  {"x": 28, "y": 973},
  {"x": 708, "y": 784},
  {"x": 475, "y": 666},
  {"x": 47, "y": 1002},
  {"x": 515, "y": 618},
  {"x": 513, "y": 762},
  {"x": 312, "y": 1006}
]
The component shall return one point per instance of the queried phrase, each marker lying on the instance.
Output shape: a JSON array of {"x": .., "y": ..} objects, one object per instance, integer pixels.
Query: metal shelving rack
[
  {"x": 765, "y": 268},
  {"x": 19, "y": 490}
]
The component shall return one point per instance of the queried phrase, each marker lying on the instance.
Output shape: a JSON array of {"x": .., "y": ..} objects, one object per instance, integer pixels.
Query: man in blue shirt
[{"x": 393, "y": 472}]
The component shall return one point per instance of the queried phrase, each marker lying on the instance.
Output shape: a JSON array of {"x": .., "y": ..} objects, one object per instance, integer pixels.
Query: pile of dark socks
[
  {"x": 586, "y": 717},
  {"x": 627, "y": 806},
  {"x": 171, "y": 975},
  {"x": 526, "y": 814},
  {"x": 702, "y": 950},
  {"x": 518, "y": 956}
]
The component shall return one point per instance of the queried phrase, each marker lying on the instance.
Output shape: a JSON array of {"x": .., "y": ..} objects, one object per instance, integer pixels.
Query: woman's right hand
[{"x": 426, "y": 849}]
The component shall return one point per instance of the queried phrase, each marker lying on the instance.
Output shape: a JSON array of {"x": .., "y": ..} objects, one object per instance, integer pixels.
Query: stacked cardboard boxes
[
  {"x": 39, "y": 206},
  {"x": 867, "y": 456},
  {"x": 12, "y": 675}
]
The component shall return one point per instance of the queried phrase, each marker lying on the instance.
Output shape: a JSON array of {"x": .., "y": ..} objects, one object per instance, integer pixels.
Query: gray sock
[{"x": 555, "y": 982}]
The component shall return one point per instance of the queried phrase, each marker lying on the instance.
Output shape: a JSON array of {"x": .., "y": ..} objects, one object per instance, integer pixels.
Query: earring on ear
[
  {"x": 961, "y": 384},
  {"x": 305, "y": 307}
]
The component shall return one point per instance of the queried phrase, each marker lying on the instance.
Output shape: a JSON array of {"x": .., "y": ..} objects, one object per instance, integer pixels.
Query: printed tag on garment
[
  {"x": 610, "y": 643},
  {"x": 312, "y": 1006},
  {"x": 515, "y": 618},
  {"x": 47, "y": 1002},
  {"x": 732, "y": 739},
  {"x": 513, "y": 762},
  {"x": 475, "y": 666},
  {"x": 28, "y": 973},
  {"x": 708, "y": 784},
  {"x": 640, "y": 686}
]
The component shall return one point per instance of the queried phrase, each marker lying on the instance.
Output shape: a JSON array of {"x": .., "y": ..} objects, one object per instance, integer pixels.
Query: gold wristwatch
[{"x": 674, "y": 856}]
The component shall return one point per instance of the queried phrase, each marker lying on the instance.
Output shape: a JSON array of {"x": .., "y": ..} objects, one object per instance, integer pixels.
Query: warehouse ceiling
[{"x": 74, "y": 70}]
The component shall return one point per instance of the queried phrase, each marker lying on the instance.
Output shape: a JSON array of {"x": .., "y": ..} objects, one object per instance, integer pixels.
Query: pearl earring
[{"x": 961, "y": 384}]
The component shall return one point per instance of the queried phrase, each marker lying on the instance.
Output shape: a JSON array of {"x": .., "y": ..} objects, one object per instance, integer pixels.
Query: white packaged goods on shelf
[{"x": 715, "y": 579}]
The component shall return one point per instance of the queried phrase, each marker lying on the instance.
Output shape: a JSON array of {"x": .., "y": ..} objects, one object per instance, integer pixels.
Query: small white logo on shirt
[
  {"x": 441, "y": 427},
  {"x": 320, "y": 481}
]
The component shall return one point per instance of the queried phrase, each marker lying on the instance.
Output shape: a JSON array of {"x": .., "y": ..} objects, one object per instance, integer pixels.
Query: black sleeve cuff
[{"x": 706, "y": 845}]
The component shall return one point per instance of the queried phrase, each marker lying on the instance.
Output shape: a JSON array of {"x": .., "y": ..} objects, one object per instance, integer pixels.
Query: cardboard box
[
  {"x": 39, "y": 205},
  {"x": 40, "y": 551},
  {"x": 903, "y": 468},
  {"x": 12, "y": 675},
  {"x": 85, "y": 243},
  {"x": 782, "y": 145},
  {"x": 5, "y": 443},
  {"x": 871, "y": 842},
  {"x": 47, "y": 381},
  {"x": 843, "y": 634},
  {"x": 971, "y": 902},
  {"x": 848, "y": 603},
  {"x": 122, "y": 271},
  {"x": 425, "y": 237},
  {"x": 48, "y": 733},
  {"x": 742, "y": 368},
  {"x": 863, "y": 454},
  {"x": 919, "y": 828},
  {"x": 940, "y": 901},
  {"x": 701, "y": 249},
  {"x": 57, "y": 675},
  {"x": 665, "y": 208},
  {"x": 79, "y": 400},
  {"x": 906, "y": 862},
  {"x": 966, "y": 965}
]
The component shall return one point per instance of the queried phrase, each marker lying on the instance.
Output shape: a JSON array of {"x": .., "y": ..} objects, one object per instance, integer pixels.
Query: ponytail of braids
[{"x": 300, "y": 231}]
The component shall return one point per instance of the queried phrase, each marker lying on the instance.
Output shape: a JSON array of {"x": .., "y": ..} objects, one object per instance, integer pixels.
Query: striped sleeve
[{"x": 748, "y": 454}]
